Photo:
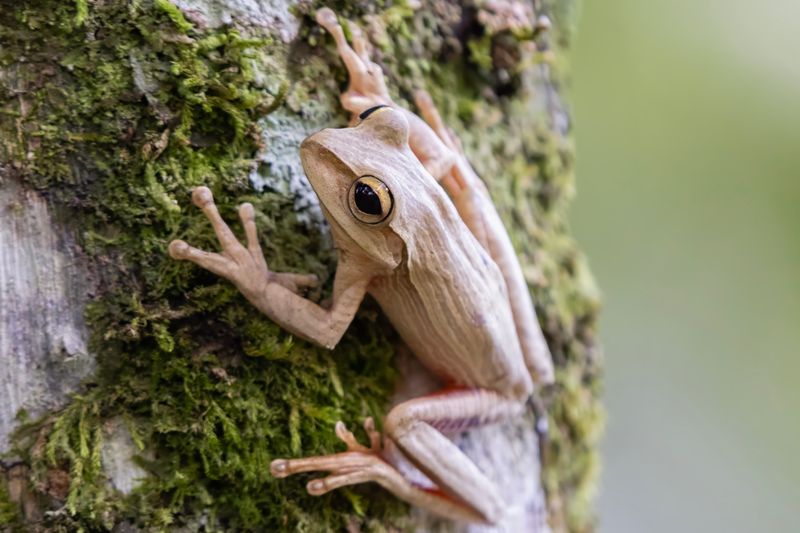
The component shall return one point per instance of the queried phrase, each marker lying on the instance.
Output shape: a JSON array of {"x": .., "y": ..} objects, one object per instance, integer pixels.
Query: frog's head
[{"x": 361, "y": 176}]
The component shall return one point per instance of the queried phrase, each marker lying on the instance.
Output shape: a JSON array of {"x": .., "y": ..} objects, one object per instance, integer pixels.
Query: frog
[{"x": 415, "y": 228}]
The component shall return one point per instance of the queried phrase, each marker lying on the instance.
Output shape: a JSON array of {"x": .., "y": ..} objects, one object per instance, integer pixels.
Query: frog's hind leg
[
  {"x": 360, "y": 465},
  {"x": 417, "y": 428}
]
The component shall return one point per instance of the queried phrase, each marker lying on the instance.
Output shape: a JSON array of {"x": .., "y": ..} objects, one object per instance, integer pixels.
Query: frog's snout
[
  {"x": 310, "y": 147},
  {"x": 308, "y": 143},
  {"x": 331, "y": 141},
  {"x": 317, "y": 154}
]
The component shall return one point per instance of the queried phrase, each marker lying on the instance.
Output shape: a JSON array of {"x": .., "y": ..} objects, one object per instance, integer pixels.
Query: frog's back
[{"x": 448, "y": 301}]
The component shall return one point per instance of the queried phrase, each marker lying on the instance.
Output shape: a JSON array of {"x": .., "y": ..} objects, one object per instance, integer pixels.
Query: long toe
[
  {"x": 326, "y": 17},
  {"x": 279, "y": 468},
  {"x": 201, "y": 196},
  {"x": 178, "y": 249}
]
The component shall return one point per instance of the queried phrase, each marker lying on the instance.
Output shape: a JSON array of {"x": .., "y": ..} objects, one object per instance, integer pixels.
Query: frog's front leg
[
  {"x": 274, "y": 293},
  {"x": 415, "y": 427},
  {"x": 367, "y": 89}
]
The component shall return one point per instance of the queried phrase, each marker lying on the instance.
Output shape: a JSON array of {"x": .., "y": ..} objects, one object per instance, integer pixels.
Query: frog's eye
[{"x": 370, "y": 200}]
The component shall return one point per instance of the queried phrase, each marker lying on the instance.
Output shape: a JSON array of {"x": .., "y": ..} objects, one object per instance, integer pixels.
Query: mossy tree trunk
[{"x": 139, "y": 393}]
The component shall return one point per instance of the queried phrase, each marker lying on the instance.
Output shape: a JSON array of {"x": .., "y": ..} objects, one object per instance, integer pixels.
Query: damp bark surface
[{"x": 142, "y": 394}]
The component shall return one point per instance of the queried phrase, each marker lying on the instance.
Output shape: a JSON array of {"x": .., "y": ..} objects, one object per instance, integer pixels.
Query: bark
[{"x": 137, "y": 393}]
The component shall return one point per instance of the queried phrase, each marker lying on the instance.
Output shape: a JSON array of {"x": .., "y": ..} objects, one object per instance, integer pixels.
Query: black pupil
[{"x": 367, "y": 200}]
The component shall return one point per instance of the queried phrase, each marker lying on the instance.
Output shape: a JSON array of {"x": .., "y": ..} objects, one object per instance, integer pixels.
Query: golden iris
[{"x": 370, "y": 200}]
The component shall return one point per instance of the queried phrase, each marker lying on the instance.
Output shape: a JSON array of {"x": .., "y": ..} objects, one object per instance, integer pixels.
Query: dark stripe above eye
[{"x": 371, "y": 110}]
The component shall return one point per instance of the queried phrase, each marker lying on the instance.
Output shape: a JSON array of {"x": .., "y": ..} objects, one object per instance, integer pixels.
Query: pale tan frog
[{"x": 414, "y": 227}]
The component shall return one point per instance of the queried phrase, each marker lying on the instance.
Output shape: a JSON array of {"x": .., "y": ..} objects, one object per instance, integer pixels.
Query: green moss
[
  {"x": 480, "y": 50},
  {"x": 10, "y": 516},
  {"x": 126, "y": 107},
  {"x": 82, "y": 8},
  {"x": 174, "y": 14},
  {"x": 118, "y": 132}
]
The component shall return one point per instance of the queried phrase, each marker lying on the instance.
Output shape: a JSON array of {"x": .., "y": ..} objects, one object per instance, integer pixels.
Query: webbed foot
[
  {"x": 359, "y": 464},
  {"x": 245, "y": 266}
]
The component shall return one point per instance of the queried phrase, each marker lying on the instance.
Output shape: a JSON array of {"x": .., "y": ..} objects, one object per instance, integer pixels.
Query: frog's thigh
[{"x": 416, "y": 425}]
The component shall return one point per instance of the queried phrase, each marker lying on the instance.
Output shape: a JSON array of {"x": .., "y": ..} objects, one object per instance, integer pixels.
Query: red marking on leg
[
  {"x": 450, "y": 388},
  {"x": 436, "y": 491}
]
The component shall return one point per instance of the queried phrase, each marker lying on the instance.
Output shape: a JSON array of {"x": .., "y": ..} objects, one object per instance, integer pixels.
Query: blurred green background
[{"x": 688, "y": 135}]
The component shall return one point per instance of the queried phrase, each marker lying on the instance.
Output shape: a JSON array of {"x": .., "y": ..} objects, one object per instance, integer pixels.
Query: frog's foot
[
  {"x": 346, "y": 436},
  {"x": 245, "y": 266},
  {"x": 367, "y": 87},
  {"x": 362, "y": 464},
  {"x": 359, "y": 464}
]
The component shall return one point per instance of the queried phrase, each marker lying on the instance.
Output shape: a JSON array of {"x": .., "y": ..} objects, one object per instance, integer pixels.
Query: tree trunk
[{"x": 139, "y": 393}]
